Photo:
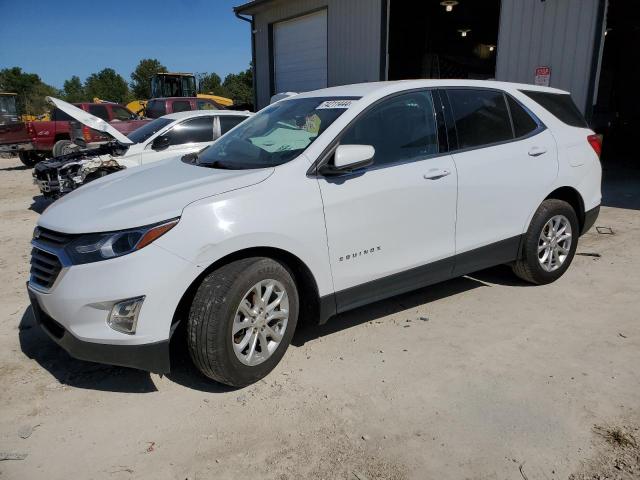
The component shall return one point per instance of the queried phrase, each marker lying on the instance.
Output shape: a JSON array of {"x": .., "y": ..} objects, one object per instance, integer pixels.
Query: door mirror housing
[
  {"x": 160, "y": 143},
  {"x": 348, "y": 158}
]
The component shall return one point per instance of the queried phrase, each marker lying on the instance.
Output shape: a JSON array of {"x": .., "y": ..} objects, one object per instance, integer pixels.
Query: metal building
[{"x": 303, "y": 45}]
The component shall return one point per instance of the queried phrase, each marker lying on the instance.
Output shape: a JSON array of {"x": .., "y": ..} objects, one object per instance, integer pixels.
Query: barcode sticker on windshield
[{"x": 334, "y": 104}]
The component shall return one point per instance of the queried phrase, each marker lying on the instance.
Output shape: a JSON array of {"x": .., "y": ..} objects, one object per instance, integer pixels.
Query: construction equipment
[{"x": 175, "y": 84}]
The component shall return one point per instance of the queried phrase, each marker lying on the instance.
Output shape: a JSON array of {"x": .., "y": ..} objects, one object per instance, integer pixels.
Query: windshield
[
  {"x": 8, "y": 105},
  {"x": 141, "y": 134},
  {"x": 275, "y": 135}
]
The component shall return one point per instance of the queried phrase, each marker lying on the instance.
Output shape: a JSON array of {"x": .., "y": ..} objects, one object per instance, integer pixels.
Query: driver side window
[{"x": 402, "y": 128}]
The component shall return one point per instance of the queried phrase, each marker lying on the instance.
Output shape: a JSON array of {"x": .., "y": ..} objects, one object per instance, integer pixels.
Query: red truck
[
  {"x": 36, "y": 140},
  {"x": 157, "y": 107}
]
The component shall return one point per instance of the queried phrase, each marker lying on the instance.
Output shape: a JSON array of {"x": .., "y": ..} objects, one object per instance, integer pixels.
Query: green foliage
[
  {"x": 239, "y": 86},
  {"x": 107, "y": 85},
  {"x": 141, "y": 77},
  {"x": 73, "y": 90},
  {"x": 30, "y": 88},
  {"x": 210, "y": 83}
]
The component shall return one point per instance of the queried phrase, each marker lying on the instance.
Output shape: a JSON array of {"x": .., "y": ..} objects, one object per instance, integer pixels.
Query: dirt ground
[{"x": 481, "y": 377}]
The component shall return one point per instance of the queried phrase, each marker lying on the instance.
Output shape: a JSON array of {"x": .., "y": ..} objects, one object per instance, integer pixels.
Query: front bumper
[
  {"x": 152, "y": 357},
  {"x": 74, "y": 309}
]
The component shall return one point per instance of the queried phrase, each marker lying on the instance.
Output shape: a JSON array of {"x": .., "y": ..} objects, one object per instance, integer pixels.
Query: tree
[
  {"x": 239, "y": 86},
  {"x": 30, "y": 89},
  {"x": 141, "y": 77},
  {"x": 73, "y": 91},
  {"x": 210, "y": 83},
  {"x": 107, "y": 85}
]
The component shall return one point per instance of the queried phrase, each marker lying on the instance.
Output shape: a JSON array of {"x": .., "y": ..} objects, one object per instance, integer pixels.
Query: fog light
[{"x": 124, "y": 315}]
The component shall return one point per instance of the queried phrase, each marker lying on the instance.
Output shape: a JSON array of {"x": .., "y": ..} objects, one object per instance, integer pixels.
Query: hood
[
  {"x": 89, "y": 120},
  {"x": 142, "y": 196}
]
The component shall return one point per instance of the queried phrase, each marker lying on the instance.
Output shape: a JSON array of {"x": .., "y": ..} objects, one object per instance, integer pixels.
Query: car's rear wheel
[
  {"x": 549, "y": 244},
  {"x": 242, "y": 319}
]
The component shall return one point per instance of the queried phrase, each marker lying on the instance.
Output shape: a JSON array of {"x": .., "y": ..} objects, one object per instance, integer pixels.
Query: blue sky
[{"x": 58, "y": 39}]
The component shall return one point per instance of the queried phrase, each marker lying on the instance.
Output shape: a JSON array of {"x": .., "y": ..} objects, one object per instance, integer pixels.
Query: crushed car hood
[
  {"x": 142, "y": 196},
  {"x": 89, "y": 120}
]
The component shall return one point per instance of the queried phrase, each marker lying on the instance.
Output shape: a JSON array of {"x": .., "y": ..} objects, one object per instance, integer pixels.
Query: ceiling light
[
  {"x": 449, "y": 4},
  {"x": 464, "y": 31},
  {"x": 492, "y": 48}
]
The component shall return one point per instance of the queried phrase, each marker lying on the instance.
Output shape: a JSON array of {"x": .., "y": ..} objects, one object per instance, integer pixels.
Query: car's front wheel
[
  {"x": 242, "y": 319},
  {"x": 549, "y": 244}
]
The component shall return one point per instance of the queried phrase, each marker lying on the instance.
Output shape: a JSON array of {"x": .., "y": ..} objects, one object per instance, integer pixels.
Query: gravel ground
[{"x": 480, "y": 377}]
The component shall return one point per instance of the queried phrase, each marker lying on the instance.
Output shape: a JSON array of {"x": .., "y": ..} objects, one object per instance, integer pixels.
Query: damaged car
[{"x": 173, "y": 135}]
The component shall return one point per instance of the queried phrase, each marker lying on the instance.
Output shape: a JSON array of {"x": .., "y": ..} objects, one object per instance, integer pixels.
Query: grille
[
  {"x": 49, "y": 237},
  {"x": 45, "y": 268}
]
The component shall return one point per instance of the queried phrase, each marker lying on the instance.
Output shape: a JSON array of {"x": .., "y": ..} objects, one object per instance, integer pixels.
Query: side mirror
[
  {"x": 348, "y": 158},
  {"x": 160, "y": 143}
]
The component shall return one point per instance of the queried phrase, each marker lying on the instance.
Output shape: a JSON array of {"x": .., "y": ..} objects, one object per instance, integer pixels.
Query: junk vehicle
[
  {"x": 320, "y": 203},
  {"x": 171, "y": 136},
  {"x": 36, "y": 140}
]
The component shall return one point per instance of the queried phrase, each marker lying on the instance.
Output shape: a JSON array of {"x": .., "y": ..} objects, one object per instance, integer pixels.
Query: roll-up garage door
[{"x": 300, "y": 53}]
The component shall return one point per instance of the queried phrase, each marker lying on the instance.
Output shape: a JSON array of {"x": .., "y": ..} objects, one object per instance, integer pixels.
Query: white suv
[{"x": 318, "y": 204}]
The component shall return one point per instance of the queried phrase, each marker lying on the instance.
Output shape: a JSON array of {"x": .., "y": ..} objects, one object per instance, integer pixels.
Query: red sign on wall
[{"x": 542, "y": 76}]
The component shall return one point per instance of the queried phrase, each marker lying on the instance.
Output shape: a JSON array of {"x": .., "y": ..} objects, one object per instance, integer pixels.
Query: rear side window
[
  {"x": 181, "y": 106},
  {"x": 156, "y": 109},
  {"x": 206, "y": 105},
  {"x": 401, "y": 128},
  {"x": 560, "y": 105},
  {"x": 58, "y": 115},
  {"x": 99, "y": 111},
  {"x": 120, "y": 113},
  {"x": 227, "y": 123},
  {"x": 192, "y": 131},
  {"x": 523, "y": 124},
  {"x": 481, "y": 117}
]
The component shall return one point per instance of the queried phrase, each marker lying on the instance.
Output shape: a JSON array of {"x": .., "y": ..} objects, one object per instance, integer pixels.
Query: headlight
[{"x": 95, "y": 247}]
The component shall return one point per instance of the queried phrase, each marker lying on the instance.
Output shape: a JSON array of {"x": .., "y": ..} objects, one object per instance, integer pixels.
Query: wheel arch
[
  {"x": 573, "y": 198},
  {"x": 310, "y": 302}
]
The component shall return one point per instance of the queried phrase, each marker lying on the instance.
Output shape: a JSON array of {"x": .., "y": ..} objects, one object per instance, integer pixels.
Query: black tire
[
  {"x": 212, "y": 313},
  {"x": 528, "y": 266},
  {"x": 28, "y": 159},
  {"x": 63, "y": 147}
]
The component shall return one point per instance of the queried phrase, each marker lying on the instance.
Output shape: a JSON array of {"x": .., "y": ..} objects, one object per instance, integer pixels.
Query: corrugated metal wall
[
  {"x": 353, "y": 39},
  {"x": 555, "y": 33}
]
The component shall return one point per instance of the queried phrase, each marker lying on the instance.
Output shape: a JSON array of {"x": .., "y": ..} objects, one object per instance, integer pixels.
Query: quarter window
[
  {"x": 192, "y": 131},
  {"x": 206, "y": 105},
  {"x": 181, "y": 106},
  {"x": 481, "y": 117},
  {"x": 523, "y": 124},
  {"x": 99, "y": 111},
  {"x": 402, "y": 128},
  {"x": 560, "y": 105}
]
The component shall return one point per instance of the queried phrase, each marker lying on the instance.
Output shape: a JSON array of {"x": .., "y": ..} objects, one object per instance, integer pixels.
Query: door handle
[
  {"x": 436, "y": 173},
  {"x": 537, "y": 151}
]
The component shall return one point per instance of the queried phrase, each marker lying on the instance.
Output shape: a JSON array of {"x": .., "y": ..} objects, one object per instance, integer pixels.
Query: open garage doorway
[
  {"x": 616, "y": 112},
  {"x": 442, "y": 39}
]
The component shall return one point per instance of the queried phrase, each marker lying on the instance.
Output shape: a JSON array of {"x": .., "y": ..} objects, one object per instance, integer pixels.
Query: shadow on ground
[
  {"x": 81, "y": 374},
  {"x": 12, "y": 169},
  {"x": 40, "y": 204}
]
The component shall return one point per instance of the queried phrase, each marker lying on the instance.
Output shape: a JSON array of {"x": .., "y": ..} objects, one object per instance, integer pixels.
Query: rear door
[
  {"x": 391, "y": 227},
  {"x": 506, "y": 162},
  {"x": 186, "y": 137}
]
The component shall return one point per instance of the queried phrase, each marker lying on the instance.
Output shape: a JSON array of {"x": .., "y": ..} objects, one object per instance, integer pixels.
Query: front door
[
  {"x": 391, "y": 227},
  {"x": 186, "y": 137}
]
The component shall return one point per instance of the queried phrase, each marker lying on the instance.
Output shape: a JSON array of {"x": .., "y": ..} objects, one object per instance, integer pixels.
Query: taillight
[
  {"x": 596, "y": 143},
  {"x": 31, "y": 132},
  {"x": 86, "y": 134}
]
